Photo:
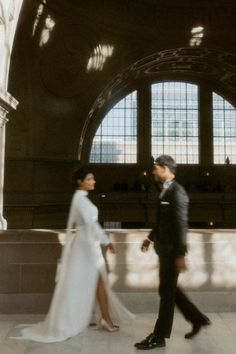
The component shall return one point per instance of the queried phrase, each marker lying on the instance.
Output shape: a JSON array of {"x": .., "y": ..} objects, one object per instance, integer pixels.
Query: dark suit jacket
[{"x": 169, "y": 233}]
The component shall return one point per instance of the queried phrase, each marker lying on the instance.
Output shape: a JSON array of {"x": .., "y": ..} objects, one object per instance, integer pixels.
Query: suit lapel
[{"x": 168, "y": 190}]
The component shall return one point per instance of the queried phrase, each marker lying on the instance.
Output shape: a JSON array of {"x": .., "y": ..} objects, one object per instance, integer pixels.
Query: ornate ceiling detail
[
  {"x": 149, "y": 13},
  {"x": 63, "y": 66},
  {"x": 187, "y": 3},
  {"x": 81, "y": 27}
]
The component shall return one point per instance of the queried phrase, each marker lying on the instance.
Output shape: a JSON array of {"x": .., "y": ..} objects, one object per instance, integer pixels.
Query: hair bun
[{"x": 80, "y": 173}]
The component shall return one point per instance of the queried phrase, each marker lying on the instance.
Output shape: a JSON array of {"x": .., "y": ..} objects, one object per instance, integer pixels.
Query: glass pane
[
  {"x": 116, "y": 138},
  {"x": 224, "y": 130},
  {"x": 175, "y": 117}
]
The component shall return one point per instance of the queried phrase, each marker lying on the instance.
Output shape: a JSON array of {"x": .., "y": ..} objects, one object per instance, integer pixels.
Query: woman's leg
[{"x": 103, "y": 301}]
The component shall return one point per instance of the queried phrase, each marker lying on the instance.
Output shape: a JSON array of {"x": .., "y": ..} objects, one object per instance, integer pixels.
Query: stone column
[
  {"x": 9, "y": 14},
  {"x": 7, "y": 103},
  {"x": 144, "y": 126},
  {"x": 206, "y": 126}
]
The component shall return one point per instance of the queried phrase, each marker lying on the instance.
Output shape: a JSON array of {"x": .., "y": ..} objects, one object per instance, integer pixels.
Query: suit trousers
[{"x": 171, "y": 295}]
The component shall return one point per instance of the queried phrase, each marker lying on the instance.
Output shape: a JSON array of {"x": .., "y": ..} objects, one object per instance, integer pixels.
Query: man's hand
[
  {"x": 111, "y": 248},
  {"x": 180, "y": 264},
  {"x": 145, "y": 245}
]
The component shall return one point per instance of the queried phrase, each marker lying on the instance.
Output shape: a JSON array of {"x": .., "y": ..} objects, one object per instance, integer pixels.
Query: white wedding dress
[{"x": 82, "y": 262}]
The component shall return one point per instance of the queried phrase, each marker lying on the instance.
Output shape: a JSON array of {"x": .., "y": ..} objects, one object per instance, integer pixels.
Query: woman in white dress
[{"x": 82, "y": 278}]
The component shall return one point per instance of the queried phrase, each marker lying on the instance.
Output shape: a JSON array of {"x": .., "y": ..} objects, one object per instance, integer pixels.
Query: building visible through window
[
  {"x": 116, "y": 138},
  {"x": 175, "y": 127},
  {"x": 224, "y": 131},
  {"x": 175, "y": 121}
]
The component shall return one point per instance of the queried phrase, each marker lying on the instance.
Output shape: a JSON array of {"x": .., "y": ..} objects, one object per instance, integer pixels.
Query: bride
[{"x": 82, "y": 278}]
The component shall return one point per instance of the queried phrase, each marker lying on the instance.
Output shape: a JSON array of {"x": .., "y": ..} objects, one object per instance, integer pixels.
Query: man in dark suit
[{"x": 169, "y": 239}]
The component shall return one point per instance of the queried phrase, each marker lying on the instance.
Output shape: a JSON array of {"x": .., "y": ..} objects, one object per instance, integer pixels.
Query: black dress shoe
[
  {"x": 152, "y": 341},
  {"x": 197, "y": 327}
]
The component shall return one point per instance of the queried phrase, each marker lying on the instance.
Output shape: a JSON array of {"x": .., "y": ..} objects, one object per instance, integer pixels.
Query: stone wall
[
  {"x": 29, "y": 259},
  {"x": 56, "y": 88}
]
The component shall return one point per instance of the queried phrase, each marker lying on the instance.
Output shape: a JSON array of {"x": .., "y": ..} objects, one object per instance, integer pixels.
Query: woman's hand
[
  {"x": 145, "y": 245},
  {"x": 111, "y": 248},
  {"x": 180, "y": 264}
]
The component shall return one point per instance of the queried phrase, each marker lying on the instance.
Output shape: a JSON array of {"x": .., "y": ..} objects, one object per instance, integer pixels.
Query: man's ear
[{"x": 166, "y": 168}]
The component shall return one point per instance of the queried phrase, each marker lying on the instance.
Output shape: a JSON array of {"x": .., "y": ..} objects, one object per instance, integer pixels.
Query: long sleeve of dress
[
  {"x": 84, "y": 208},
  {"x": 104, "y": 239},
  {"x": 71, "y": 218}
]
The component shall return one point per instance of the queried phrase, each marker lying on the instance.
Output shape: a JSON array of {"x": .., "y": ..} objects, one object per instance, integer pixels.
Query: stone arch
[{"x": 212, "y": 66}]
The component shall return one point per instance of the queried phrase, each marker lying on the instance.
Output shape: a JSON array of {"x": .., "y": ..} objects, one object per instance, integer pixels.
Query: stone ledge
[{"x": 29, "y": 258}]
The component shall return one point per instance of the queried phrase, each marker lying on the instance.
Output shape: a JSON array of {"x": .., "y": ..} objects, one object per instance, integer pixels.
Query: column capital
[{"x": 7, "y": 103}]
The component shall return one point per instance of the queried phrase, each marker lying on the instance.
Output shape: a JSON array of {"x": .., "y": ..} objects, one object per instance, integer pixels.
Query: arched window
[
  {"x": 175, "y": 121},
  {"x": 116, "y": 138},
  {"x": 224, "y": 130},
  {"x": 173, "y": 114}
]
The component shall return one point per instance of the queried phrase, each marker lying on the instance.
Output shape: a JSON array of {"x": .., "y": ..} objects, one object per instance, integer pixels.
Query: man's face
[{"x": 159, "y": 173}]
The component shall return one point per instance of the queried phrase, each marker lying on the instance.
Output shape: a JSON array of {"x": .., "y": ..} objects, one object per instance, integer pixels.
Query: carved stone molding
[{"x": 7, "y": 103}]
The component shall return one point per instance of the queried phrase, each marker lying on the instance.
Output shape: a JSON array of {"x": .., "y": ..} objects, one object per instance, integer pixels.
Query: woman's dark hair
[
  {"x": 81, "y": 174},
  {"x": 166, "y": 160}
]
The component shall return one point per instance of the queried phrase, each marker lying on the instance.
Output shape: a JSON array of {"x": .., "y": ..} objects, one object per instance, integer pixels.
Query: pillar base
[
  {"x": 7, "y": 103},
  {"x": 3, "y": 223}
]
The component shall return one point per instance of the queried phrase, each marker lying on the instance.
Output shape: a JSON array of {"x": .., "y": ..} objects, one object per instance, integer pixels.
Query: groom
[{"x": 169, "y": 239}]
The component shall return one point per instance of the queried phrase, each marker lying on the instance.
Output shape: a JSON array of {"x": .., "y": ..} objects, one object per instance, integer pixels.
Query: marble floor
[{"x": 216, "y": 339}]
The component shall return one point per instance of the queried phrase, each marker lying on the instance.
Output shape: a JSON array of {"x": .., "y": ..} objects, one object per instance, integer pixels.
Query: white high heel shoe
[{"x": 104, "y": 325}]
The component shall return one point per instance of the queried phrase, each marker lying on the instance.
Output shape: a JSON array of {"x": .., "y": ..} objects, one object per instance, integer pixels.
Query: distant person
[{"x": 169, "y": 239}]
